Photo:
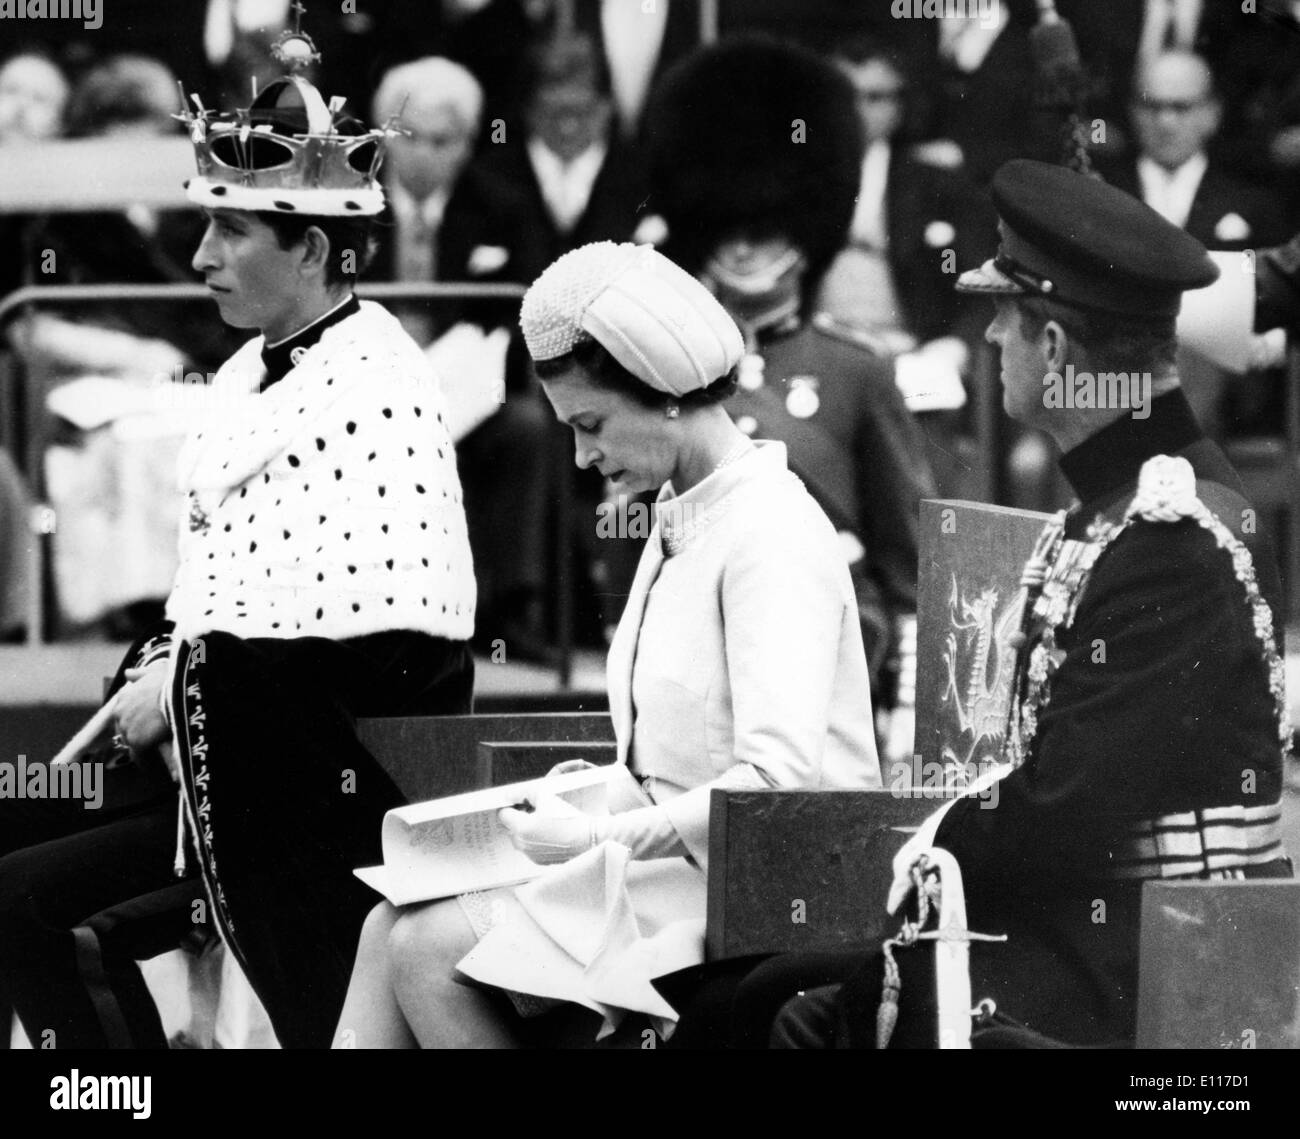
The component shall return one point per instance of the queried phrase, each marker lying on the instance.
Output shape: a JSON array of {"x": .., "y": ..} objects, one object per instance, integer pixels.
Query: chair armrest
[
  {"x": 1218, "y": 963},
  {"x": 500, "y": 763},
  {"x": 428, "y": 757},
  {"x": 800, "y": 870}
]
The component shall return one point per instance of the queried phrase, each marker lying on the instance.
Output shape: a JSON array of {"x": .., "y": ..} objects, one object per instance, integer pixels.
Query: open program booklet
[{"x": 457, "y": 844}]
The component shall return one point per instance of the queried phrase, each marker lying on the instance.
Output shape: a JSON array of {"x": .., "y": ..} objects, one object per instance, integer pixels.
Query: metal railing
[{"x": 32, "y": 297}]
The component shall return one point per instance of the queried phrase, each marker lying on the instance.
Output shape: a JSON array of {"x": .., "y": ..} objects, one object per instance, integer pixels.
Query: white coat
[
  {"x": 328, "y": 505},
  {"x": 738, "y": 662}
]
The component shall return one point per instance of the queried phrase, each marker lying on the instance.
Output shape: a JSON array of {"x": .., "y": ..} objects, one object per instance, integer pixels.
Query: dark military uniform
[
  {"x": 1157, "y": 754},
  {"x": 1148, "y": 725},
  {"x": 852, "y": 441}
]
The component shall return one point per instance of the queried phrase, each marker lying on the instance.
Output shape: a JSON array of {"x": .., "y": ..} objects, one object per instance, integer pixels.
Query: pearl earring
[{"x": 672, "y": 411}]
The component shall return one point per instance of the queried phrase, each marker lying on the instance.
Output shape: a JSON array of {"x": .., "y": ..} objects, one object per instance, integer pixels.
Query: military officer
[
  {"x": 755, "y": 150},
  {"x": 1147, "y": 730}
]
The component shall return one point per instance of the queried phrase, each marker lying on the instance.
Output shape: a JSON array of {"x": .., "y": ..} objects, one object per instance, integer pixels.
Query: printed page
[{"x": 457, "y": 844}]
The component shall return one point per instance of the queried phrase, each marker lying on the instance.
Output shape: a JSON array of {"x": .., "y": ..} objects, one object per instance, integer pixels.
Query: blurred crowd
[{"x": 524, "y": 135}]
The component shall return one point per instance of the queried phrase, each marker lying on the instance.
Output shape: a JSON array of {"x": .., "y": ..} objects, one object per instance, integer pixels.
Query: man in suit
[
  {"x": 1118, "y": 39},
  {"x": 581, "y": 183},
  {"x": 1176, "y": 112},
  {"x": 451, "y": 220},
  {"x": 908, "y": 215},
  {"x": 638, "y": 43},
  {"x": 979, "y": 89},
  {"x": 448, "y": 218}
]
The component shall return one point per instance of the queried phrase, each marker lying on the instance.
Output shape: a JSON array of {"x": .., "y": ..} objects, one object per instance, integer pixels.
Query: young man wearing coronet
[{"x": 325, "y": 575}]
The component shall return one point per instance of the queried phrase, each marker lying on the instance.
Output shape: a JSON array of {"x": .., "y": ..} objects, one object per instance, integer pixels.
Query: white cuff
[{"x": 647, "y": 832}]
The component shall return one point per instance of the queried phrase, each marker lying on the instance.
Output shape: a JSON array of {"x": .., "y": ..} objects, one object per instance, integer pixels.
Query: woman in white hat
[{"x": 738, "y": 663}]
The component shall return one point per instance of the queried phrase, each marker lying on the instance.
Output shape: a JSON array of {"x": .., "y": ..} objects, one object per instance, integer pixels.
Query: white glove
[
  {"x": 554, "y": 831},
  {"x": 557, "y": 831}
]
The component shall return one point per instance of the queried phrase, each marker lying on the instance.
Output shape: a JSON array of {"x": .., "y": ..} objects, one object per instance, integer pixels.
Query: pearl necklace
[{"x": 676, "y": 532}]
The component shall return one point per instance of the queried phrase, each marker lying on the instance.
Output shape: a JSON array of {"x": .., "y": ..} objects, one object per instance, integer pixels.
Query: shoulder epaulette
[{"x": 1166, "y": 491}]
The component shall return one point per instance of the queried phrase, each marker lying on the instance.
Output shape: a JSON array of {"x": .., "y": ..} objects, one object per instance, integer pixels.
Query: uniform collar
[
  {"x": 279, "y": 359},
  {"x": 1113, "y": 457},
  {"x": 779, "y": 330}
]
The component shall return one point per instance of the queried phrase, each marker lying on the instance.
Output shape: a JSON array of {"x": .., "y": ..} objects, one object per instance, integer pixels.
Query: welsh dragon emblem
[{"x": 981, "y": 667}]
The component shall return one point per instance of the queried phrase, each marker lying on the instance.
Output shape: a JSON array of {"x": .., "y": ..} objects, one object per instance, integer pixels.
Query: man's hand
[{"x": 136, "y": 707}]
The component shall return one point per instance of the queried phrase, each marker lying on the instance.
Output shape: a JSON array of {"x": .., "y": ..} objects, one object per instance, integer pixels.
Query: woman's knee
[
  {"x": 429, "y": 939},
  {"x": 377, "y": 927}
]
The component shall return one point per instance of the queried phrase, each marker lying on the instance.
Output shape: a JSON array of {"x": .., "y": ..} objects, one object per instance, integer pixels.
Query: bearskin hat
[{"x": 753, "y": 134}]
